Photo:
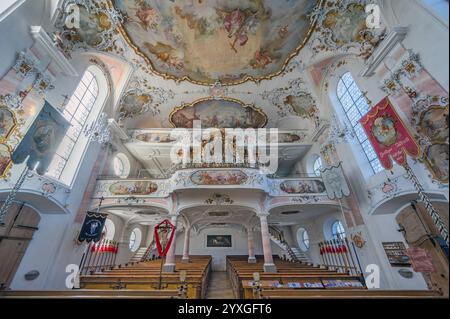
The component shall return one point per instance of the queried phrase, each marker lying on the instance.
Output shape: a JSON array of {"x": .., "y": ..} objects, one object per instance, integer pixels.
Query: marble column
[
  {"x": 251, "y": 247},
  {"x": 187, "y": 236},
  {"x": 169, "y": 265},
  {"x": 269, "y": 265}
]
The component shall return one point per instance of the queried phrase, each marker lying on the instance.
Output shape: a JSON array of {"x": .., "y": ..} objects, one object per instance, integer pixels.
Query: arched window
[
  {"x": 121, "y": 165},
  {"x": 355, "y": 107},
  {"x": 303, "y": 239},
  {"x": 83, "y": 106},
  {"x": 318, "y": 166},
  {"x": 135, "y": 239},
  {"x": 338, "y": 230}
]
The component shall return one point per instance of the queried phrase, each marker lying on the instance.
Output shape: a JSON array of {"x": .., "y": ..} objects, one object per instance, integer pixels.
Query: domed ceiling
[{"x": 204, "y": 42}]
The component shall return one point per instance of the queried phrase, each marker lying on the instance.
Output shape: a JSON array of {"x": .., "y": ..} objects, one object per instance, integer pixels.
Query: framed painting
[
  {"x": 8, "y": 123},
  {"x": 218, "y": 241},
  {"x": 5, "y": 160}
]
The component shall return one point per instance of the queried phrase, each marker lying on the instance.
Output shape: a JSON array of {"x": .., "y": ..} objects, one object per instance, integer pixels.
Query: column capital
[{"x": 263, "y": 215}]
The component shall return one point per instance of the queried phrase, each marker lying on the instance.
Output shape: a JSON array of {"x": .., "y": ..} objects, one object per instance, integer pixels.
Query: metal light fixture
[{"x": 99, "y": 130}]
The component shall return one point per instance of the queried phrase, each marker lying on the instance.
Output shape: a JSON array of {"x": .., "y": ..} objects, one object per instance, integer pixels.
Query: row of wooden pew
[
  {"x": 300, "y": 280},
  {"x": 136, "y": 280},
  {"x": 146, "y": 276}
]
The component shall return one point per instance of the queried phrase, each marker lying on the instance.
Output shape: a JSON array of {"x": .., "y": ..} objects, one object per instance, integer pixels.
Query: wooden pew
[
  {"x": 92, "y": 294},
  {"x": 146, "y": 276},
  {"x": 347, "y": 293}
]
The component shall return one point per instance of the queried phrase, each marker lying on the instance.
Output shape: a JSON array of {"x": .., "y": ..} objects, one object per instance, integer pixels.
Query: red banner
[
  {"x": 164, "y": 233},
  {"x": 421, "y": 261},
  {"x": 388, "y": 135}
]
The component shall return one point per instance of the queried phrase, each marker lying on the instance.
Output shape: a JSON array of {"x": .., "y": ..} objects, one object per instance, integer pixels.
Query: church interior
[{"x": 212, "y": 149}]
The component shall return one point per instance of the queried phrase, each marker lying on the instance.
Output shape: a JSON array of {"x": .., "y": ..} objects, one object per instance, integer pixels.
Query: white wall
[{"x": 239, "y": 242}]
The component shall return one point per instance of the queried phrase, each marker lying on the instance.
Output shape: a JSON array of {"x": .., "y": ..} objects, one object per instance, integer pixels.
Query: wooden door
[
  {"x": 420, "y": 231},
  {"x": 15, "y": 234}
]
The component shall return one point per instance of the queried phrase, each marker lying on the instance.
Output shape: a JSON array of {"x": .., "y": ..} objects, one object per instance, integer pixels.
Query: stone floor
[{"x": 219, "y": 286}]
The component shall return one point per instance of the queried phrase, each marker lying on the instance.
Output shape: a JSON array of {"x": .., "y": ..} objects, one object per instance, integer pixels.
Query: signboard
[
  {"x": 388, "y": 135},
  {"x": 396, "y": 254},
  {"x": 420, "y": 260},
  {"x": 92, "y": 228},
  {"x": 164, "y": 233}
]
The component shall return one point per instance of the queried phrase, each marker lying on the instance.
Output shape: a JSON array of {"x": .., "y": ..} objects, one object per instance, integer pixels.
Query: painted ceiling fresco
[
  {"x": 229, "y": 41},
  {"x": 218, "y": 113}
]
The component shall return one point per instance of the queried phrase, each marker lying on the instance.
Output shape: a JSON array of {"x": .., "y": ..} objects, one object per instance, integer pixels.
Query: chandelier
[{"x": 99, "y": 131}]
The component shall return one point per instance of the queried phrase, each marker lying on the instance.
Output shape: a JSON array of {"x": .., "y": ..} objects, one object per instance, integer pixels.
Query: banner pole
[
  {"x": 438, "y": 221},
  {"x": 160, "y": 273}
]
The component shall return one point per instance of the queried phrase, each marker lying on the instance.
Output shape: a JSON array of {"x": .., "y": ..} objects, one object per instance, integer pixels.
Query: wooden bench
[
  {"x": 346, "y": 293},
  {"x": 146, "y": 276},
  {"x": 241, "y": 275},
  {"x": 92, "y": 294}
]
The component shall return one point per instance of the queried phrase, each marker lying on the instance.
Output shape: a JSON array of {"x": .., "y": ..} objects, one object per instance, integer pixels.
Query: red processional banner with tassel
[
  {"x": 164, "y": 233},
  {"x": 388, "y": 135}
]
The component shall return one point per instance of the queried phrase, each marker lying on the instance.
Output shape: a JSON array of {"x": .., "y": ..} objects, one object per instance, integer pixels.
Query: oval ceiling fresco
[
  {"x": 206, "y": 41},
  {"x": 218, "y": 113}
]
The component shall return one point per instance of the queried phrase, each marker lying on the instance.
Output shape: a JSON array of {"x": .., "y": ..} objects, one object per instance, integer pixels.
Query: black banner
[{"x": 92, "y": 227}]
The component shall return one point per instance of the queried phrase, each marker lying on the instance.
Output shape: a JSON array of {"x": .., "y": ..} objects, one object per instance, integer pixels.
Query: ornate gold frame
[
  {"x": 422, "y": 115},
  {"x": 8, "y": 167},
  {"x": 187, "y": 105},
  {"x": 247, "y": 78},
  {"x": 430, "y": 166},
  {"x": 13, "y": 128}
]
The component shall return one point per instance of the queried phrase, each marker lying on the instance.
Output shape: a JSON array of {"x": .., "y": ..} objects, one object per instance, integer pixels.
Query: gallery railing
[{"x": 112, "y": 187}]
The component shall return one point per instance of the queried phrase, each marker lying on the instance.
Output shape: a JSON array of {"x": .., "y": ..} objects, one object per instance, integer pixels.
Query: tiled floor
[{"x": 219, "y": 286}]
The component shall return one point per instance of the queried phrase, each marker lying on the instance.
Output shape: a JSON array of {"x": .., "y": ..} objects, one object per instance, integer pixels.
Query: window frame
[
  {"x": 340, "y": 232},
  {"x": 317, "y": 171},
  {"x": 354, "y": 105},
  {"x": 68, "y": 177}
]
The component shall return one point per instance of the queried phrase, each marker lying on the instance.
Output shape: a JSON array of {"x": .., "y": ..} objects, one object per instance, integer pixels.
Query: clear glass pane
[
  {"x": 74, "y": 131},
  {"x": 56, "y": 166},
  {"x": 346, "y": 101},
  {"x": 355, "y": 92},
  {"x": 81, "y": 89},
  {"x": 363, "y": 106},
  {"x": 88, "y": 100},
  {"x": 87, "y": 77},
  {"x": 353, "y": 116},
  {"x": 81, "y": 114},
  {"x": 71, "y": 107},
  {"x": 341, "y": 89},
  {"x": 94, "y": 88},
  {"x": 65, "y": 148},
  {"x": 348, "y": 80}
]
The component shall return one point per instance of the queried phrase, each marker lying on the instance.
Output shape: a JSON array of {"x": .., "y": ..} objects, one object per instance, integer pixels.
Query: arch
[
  {"x": 393, "y": 205},
  {"x": 34, "y": 199}
]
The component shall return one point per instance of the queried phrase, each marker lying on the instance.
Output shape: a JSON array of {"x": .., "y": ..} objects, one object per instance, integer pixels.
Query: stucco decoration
[{"x": 341, "y": 26}]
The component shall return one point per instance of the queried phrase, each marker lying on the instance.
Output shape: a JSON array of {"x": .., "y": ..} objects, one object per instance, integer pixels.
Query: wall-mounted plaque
[
  {"x": 396, "y": 254},
  {"x": 221, "y": 241}
]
